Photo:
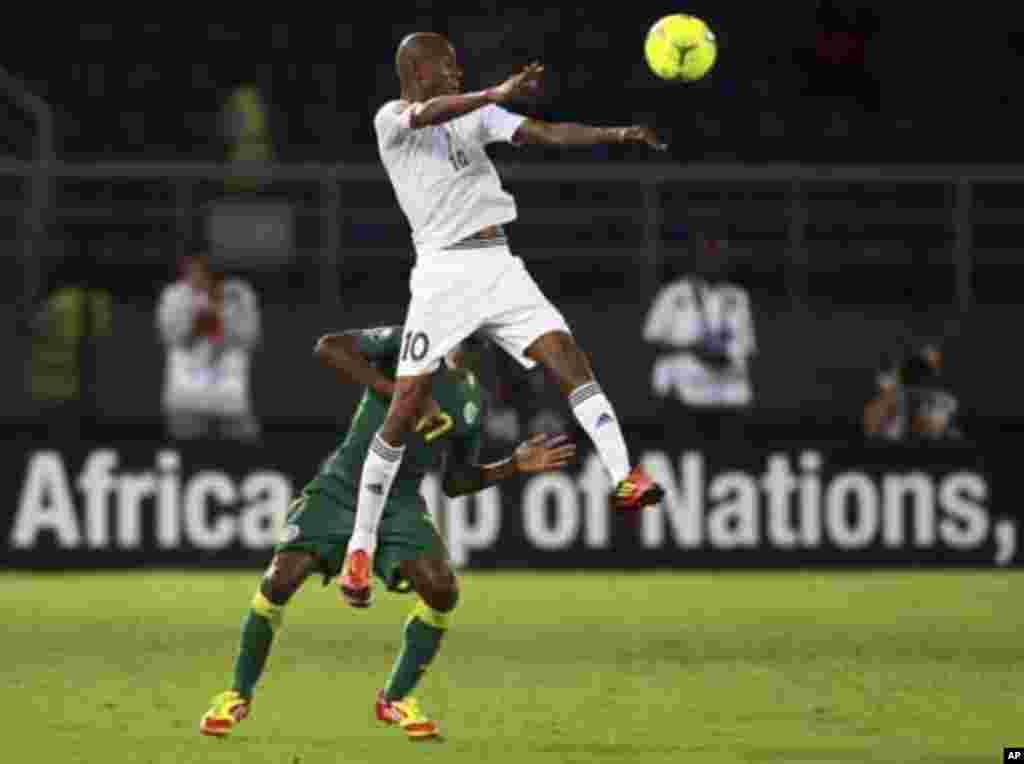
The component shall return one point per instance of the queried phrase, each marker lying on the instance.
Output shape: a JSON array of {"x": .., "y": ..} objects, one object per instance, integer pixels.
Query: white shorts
[{"x": 457, "y": 292}]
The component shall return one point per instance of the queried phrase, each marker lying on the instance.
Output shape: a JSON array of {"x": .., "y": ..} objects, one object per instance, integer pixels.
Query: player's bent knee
[
  {"x": 434, "y": 581},
  {"x": 286, "y": 574},
  {"x": 560, "y": 354},
  {"x": 442, "y": 592}
]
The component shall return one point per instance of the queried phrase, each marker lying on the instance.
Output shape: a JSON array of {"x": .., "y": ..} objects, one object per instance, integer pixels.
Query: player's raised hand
[
  {"x": 643, "y": 134},
  {"x": 544, "y": 452},
  {"x": 526, "y": 83}
]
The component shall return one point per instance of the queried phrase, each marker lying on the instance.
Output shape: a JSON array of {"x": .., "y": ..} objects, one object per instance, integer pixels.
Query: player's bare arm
[
  {"x": 541, "y": 453},
  {"x": 443, "y": 108},
  {"x": 431, "y": 81},
  {"x": 341, "y": 352},
  {"x": 566, "y": 134}
]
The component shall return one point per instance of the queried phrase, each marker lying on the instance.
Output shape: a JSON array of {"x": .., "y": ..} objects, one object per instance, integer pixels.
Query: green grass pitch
[{"x": 708, "y": 668}]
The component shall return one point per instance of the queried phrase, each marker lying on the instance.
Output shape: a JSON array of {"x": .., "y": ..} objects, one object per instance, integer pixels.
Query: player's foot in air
[
  {"x": 354, "y": 581},
  {"x": 636, "y": 491},
  {"x": 406, "y": 715},
  {"x": 227, "y": 710}
]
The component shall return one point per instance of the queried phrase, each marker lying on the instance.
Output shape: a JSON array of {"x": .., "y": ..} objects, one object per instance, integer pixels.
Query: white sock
[
  {"x": 379, "y": 470},
  {"x": 594, "y": 413}
]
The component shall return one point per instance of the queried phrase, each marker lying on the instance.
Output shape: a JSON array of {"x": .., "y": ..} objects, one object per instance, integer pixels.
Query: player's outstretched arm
[
  {"x": 341, "y": 353},
  {"x": 441, "y": 109},
  {"x": 565, "y": 134},
  {"x": 541, "y": 453}
]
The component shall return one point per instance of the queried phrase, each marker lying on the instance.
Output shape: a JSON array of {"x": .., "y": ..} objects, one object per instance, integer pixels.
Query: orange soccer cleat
[
  {"x": 406, "y": 715},
  {"x": 354, "y": 581},
  {"x": 638, "y": 490},
  {"x": 226, "y": 710}
]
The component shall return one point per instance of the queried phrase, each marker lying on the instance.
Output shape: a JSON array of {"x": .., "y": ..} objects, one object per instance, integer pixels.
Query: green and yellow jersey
[{"x": 457, "y": 393}]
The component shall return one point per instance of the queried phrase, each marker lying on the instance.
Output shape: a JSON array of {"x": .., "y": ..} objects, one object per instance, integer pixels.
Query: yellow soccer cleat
[
  {"x": 227, "y": 710},
  {"x": 406, "y": 714}
]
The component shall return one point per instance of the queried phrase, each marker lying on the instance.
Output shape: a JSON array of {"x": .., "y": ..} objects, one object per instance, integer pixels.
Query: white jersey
[{"x": 445, "y": 183}]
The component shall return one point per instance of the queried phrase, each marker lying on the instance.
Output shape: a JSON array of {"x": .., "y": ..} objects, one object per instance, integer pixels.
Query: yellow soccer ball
[{"x": 680, "y": 48}]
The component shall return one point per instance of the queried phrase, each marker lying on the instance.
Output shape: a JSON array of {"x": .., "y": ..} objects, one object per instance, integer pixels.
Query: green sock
[
  {"x": 421, "y": 642},
  {"x": 257, "y": 636}
]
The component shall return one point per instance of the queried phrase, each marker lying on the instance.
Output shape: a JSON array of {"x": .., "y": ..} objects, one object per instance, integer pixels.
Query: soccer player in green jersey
[{"x": 411, "y": 555}]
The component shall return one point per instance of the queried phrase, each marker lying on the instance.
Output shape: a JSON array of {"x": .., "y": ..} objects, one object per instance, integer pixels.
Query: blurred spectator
[
  {"x": 912, "y": 402},
  {"x": 74, "y": 314},
  {"x": 703, "y": 328},
  {"x": 246, "y": 132},
  {"x": 210, "y": 325}
]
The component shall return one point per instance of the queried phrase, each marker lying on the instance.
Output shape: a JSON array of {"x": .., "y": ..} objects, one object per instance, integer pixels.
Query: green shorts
[{"x": 321, "y": 524}]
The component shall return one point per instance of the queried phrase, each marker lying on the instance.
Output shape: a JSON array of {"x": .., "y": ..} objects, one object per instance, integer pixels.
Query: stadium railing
[{"x": 801, "y": 225}]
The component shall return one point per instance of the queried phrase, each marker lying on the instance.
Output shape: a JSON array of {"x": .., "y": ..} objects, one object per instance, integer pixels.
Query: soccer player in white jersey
[{"x": 432, "y": 143}]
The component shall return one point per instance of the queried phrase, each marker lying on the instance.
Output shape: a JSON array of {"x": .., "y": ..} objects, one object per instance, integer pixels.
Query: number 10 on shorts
[{"x": 415, "y": 345}]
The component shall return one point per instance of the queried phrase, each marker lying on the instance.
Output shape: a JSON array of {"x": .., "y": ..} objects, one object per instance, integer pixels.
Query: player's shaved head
[{"x": 419, "y": 48}]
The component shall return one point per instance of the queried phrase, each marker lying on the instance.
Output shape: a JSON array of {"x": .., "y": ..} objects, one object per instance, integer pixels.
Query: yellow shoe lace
[
  {"x": 225, "y": 701},
  {"x": 411, "y": 710}
]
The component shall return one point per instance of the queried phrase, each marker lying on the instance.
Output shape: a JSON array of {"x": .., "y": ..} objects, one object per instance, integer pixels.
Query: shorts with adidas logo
[{"x": 474, "y": 285}]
